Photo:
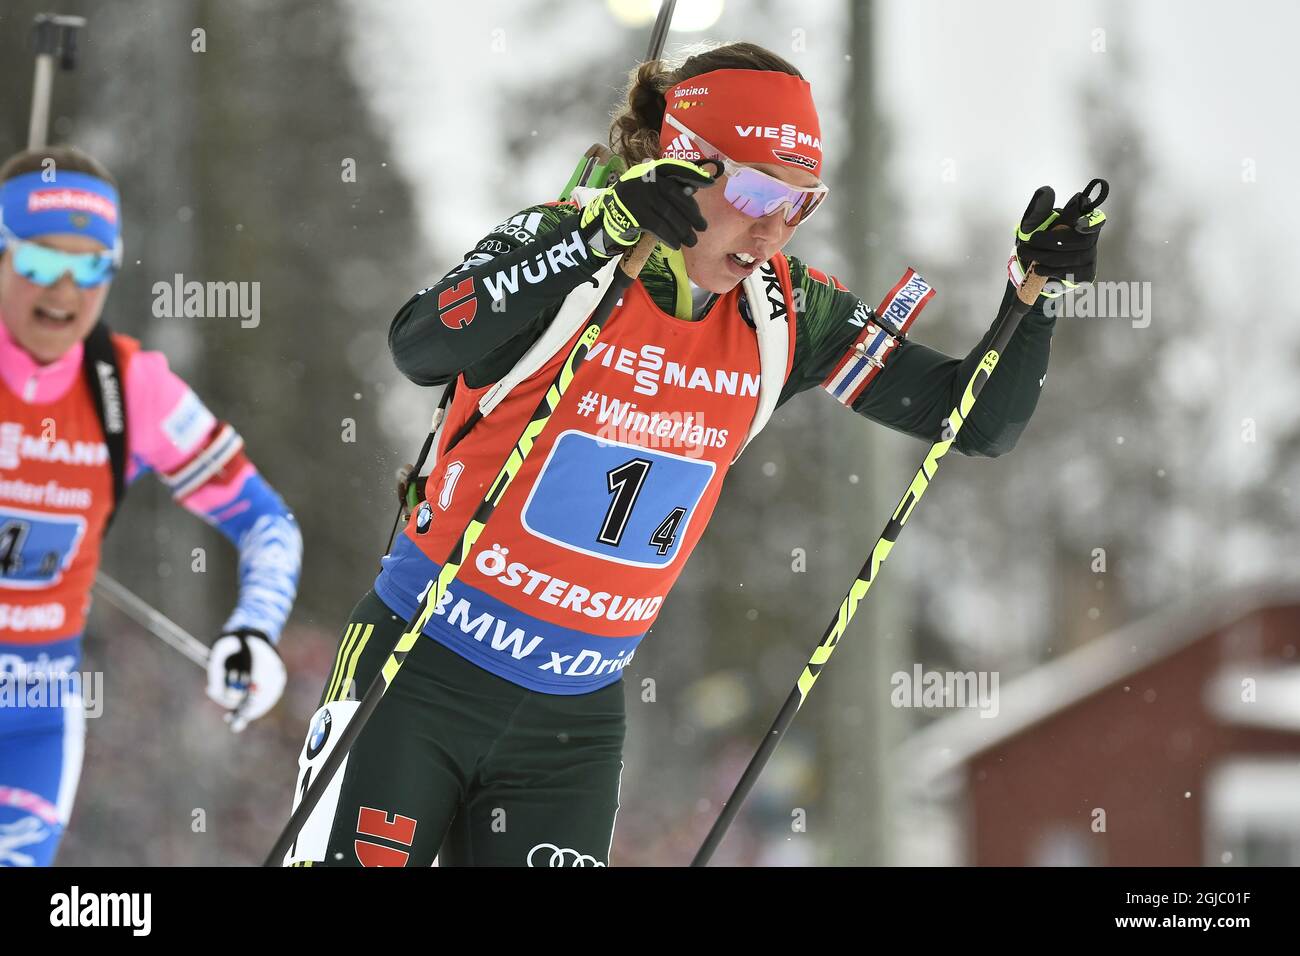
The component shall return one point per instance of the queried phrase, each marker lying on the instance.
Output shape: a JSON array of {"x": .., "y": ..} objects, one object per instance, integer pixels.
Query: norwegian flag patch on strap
[{"x": 866, "y": 356}]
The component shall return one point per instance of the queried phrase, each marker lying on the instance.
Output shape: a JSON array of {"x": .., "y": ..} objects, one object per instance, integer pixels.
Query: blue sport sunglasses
[{"x": 45, "y": 266}]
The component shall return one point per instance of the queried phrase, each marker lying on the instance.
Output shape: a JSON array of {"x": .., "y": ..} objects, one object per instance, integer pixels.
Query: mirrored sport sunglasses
[
  {"x": 753, "y": 191},
  {"x": 45, "y": 266}
]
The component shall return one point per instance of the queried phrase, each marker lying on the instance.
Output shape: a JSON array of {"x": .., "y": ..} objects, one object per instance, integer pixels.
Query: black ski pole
[
  {"x": 658, "y": 35},
  {"x": 1006, "y": 325},
  {"x": 624, "y": 275},
  {"x": 53, "y": 35},
  {"x": 410, "y": 483}
]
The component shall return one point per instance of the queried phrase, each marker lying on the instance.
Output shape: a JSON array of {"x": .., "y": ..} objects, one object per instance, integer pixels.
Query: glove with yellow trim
[
  {"x": 1061, "y": 243},
  {"x": 655, "y": 196},
  {"x": 410, "y": 490}
]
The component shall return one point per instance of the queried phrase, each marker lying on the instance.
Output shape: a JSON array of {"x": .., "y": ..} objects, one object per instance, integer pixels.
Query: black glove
[
  {"x": 656, "y": 196},
  {"x": 1060, "y": 243}
]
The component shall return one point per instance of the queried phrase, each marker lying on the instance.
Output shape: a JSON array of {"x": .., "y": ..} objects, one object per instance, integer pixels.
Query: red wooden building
[{"x": 1172, "y": 741}]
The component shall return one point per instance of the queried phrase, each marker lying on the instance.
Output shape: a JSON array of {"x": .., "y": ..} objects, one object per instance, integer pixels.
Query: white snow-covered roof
[{"x": 945, "y": 745}]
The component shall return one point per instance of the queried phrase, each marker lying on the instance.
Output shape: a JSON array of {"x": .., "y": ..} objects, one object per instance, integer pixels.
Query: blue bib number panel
[
  {"x": 623, "y": 503},
  {"x": 36, "y": 548}
]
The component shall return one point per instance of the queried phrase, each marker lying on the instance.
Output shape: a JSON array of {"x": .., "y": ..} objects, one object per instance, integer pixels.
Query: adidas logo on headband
[{"x": 681, "y": 148}]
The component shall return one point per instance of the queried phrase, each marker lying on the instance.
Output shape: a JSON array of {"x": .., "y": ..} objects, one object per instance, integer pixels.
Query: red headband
[{"x": 753, "y": 116}]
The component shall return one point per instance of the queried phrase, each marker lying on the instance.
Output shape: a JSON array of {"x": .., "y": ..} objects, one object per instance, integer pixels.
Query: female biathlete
[
  {"x": 83, "y": 413},
  {"x": 500, "y": 742}
]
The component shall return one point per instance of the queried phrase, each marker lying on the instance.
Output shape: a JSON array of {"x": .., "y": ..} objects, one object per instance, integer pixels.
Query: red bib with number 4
[{"x": 56, "y": 491}]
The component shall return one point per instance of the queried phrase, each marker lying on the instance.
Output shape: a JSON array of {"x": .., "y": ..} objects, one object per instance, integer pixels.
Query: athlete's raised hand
[
  {"x": 1060, "y": 243},
  {"x": 657, "y": 196}
]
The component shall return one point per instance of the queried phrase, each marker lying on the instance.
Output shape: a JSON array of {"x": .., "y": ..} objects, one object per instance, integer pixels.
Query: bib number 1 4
[
  {"x": 626, "y": 503},
  {"x": 625, "y": 483}
]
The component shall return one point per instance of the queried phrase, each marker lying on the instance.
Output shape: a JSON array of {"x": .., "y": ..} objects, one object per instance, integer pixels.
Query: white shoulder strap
[
  {"x": 578, "y": 306},
  {"x": 768, "y": 309}
]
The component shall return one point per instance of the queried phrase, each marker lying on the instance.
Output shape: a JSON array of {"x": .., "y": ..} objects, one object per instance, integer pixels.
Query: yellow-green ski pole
[
  {"x": 624, "y": 276},
  {"x": 1007, "y": 323}
]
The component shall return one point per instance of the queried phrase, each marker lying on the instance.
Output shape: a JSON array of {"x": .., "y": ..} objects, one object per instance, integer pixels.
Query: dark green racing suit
[{"x": 461, "y": 763}]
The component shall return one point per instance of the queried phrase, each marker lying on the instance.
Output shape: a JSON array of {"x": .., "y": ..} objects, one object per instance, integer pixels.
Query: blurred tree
[{"x": 1094, "y": 518}]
